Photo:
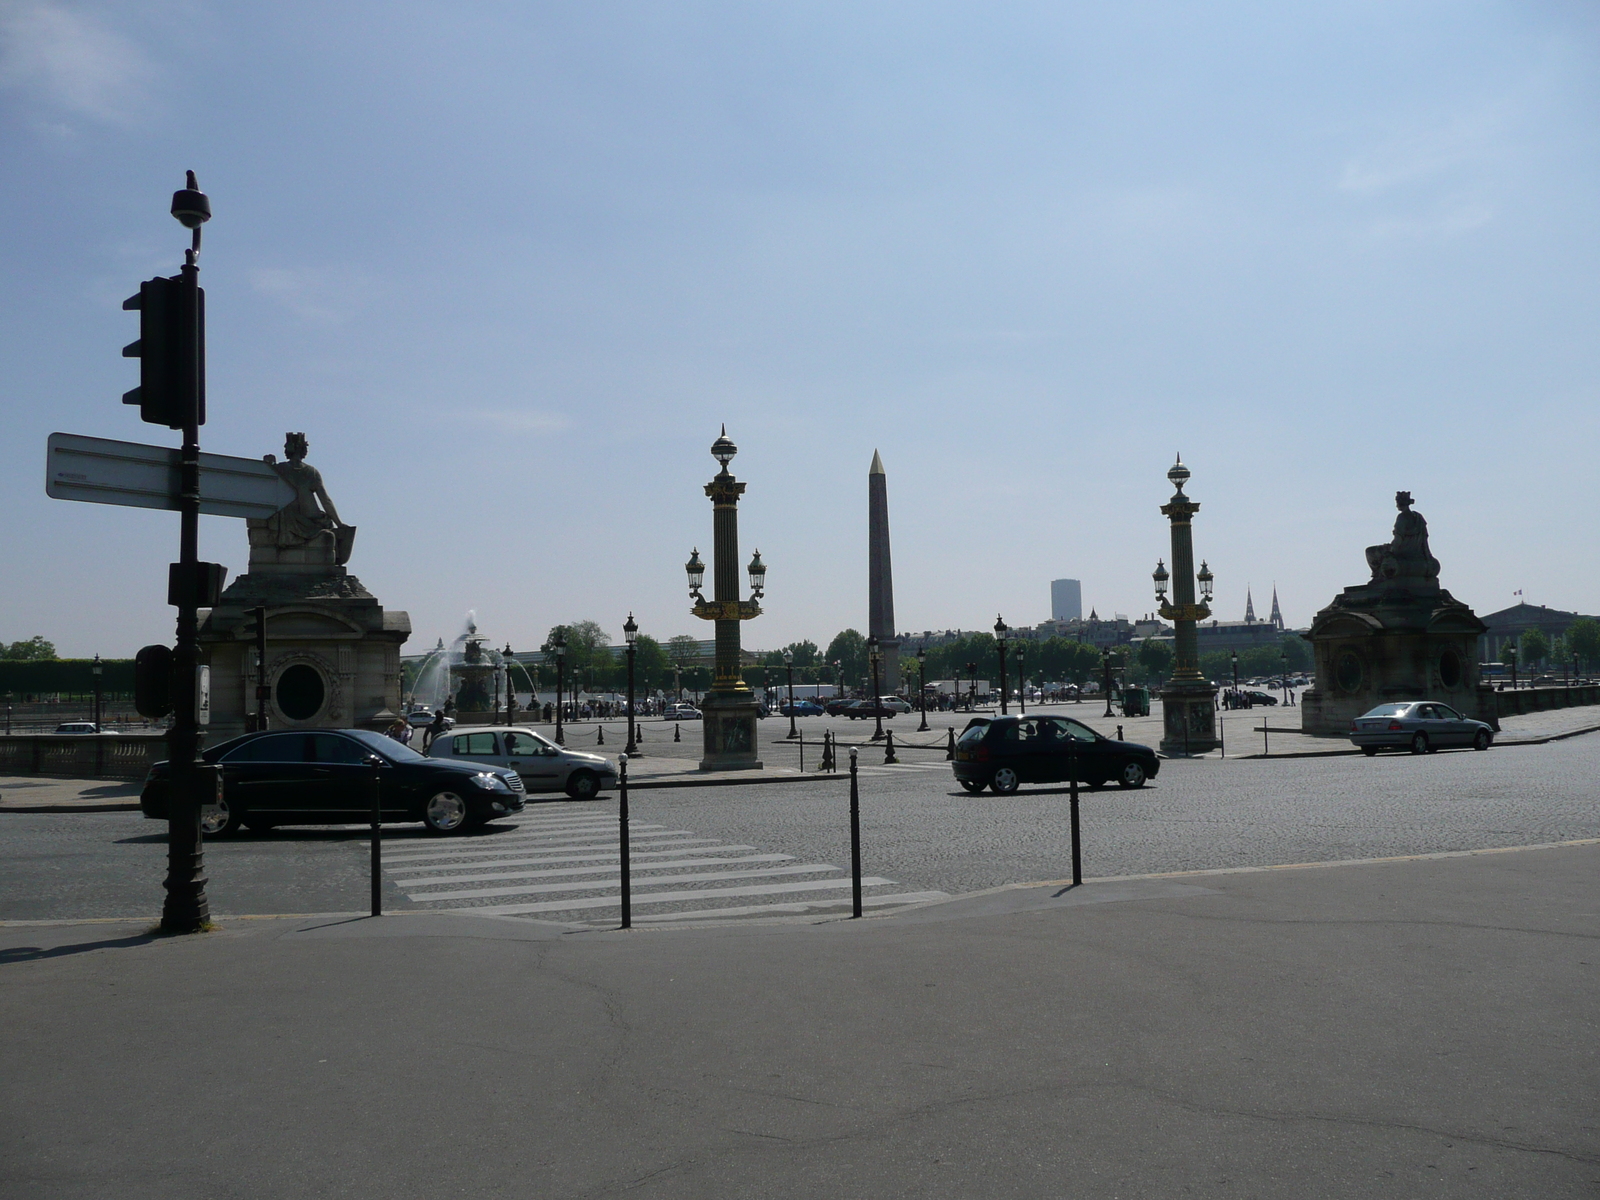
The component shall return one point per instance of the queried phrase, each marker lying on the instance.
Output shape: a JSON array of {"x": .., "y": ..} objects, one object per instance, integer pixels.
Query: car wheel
[
  {"x": 222, "y": 823},
  {"x": 1370, "y": 751},
  {"x": 970, "y": 785},
  {"x": 445, "y": 812},
  {"x": 1131, "y": 775},
  {"x": 1419, "y": 743},
  {"x": 582, "y": 785},
  {"x": 1005, "y": 781},
  {"x": 1481, "y": 742}
]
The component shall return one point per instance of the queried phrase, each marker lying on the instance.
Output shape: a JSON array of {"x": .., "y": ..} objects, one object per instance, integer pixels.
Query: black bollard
[
  {"x": 1120, "y": 738},
  {"x": 677, "y": 733},
  {"x": 376, "y": 764},
  {"x": 802, "y": 750},
  {"x": 950, "y": 750},
  {"x": 622, "y": 841},
  {"x": 888, "y": 748},
  {"x": 855, "y": 839},
  {"x": 600, "y": 736},
  {"x": 1077, "y": 855}
]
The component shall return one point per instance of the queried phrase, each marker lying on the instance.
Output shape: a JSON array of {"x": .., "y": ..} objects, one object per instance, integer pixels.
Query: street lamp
[
  {"x": 838, "y": 666},
  {"x": 1512, "y": 651},
  {"x": 511, "y": 696},
  {"x": 1105, "y": 663},
  {"x": 630, "y": 635},
  {"x": 1188, "y": 700},
  {"x": 97, "y": 670},
  {"x": 788, "y": 666},
  {"x": 1235, "y": 703},
  {"x": 1283, "y": 675},
  {"x": 922, "y": 686},
  {"x": 1000, "y": 631},
  {"x": 972, "y": 686},
  {"x": 558, "y": 647},
  {"x": 877, "y": 703}
]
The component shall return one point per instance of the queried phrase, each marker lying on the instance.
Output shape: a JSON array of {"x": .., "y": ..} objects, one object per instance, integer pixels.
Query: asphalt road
[{"x": 921, "y": 834}]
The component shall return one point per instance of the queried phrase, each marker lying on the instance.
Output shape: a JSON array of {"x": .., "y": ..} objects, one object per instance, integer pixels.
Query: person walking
[{"x": 434, "y": 729}]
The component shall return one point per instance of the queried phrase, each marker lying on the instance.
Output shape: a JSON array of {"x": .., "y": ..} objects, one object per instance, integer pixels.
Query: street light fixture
[
  {"x": 922, "y": 687},
  {"x": 788, "y": 666},
  {"x": 1000, "y": 631},
  {"x": 972, "y": 686},
  {"x": 877, "y": 703},
  {"x": 1105, "y": 663},
  {"x": 1022, "y": 679},
  {"x": 558, "y": 647},
  {"x": 1283, "y": 657},
  {"x": 1188, "y": 700},
  {"x": 630, "y": 635},
  {"x": 1235, "y": 679},
  {"x": 97, "y": 670},
  {"x": 1512, "y": 651},
  {"x": 511, "y": 696}
]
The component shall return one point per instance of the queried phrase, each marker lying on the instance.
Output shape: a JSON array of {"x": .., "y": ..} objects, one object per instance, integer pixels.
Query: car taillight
[
  {"x": 1394, "y": 726},
  {"x": 983, "y": 754}
]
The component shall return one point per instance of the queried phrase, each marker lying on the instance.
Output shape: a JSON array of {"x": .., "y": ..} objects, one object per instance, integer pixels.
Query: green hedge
[{"x": 64, "y": 675}]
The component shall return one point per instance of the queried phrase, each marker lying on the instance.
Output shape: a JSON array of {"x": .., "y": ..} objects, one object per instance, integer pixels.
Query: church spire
[
  {"x": 1249, "y": 607},
  {"x": 1277, "y": 617}
]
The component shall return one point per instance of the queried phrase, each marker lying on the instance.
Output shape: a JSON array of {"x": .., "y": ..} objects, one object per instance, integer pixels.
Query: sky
[{"x": 510, "y": 267}]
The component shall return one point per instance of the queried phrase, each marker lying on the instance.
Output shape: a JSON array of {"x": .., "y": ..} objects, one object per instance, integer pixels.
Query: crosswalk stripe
[
  {"x": 678, "y": 864},
  {"x": 791, "y": 907},
  {"x": 616, "y": 881},
  {"x": 575, "y": 905},
  {"x": 504, "y": 845},
  {"x": 612, "y": 851}
]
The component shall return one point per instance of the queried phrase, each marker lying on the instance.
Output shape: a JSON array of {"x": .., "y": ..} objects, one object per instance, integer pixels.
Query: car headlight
[{"x": 491, "y": 782}]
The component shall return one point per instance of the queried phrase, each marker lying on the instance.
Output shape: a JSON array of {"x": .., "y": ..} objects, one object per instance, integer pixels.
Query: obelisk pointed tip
[{"x": 877, "y": 465}]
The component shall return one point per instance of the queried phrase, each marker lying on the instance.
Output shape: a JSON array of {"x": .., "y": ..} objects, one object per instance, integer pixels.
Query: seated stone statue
[
  {"x": 1406, "y": 557},
  {"x": 309, "y": 523}
]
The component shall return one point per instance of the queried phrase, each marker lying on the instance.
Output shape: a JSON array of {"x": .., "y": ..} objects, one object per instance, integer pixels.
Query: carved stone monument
[
  {"x": 1399, "y": 636},
  {"x": 333, "y": 653}
]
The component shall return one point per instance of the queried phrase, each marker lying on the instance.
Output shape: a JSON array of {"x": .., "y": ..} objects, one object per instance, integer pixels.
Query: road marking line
[
  {"x": 809, "y": 885},
  {"x": 430, "y": 880},
  {"x": 800, "y": 906},
  {"x": 613, "y": 851},
  {"x": 589, "y": 885}
]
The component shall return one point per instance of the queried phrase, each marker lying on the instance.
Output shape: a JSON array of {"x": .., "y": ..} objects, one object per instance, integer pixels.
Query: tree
[
  {"x": 35, "y": 649},
  {"x": 849, "y": 649},
  {"x": 1583, "y": 636},
  {"x": 1535, "y": 646},
  {"x": 805, "y": 654},
  {"x": 1156, "y": 658},
  {"x": 1508, "y": 653},
  {"x": 650, "y": 667},
  {"x": 589, "y": 663},
  {"x": 683, "y": 649}
]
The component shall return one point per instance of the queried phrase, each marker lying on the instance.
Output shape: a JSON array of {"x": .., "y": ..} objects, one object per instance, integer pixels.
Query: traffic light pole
[{"x": 186, "y": 909}]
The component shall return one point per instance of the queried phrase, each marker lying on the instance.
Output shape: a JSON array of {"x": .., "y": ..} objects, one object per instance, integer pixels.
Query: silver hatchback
[
  {"x": 1420, "y": 726},
  {"x": 543, "y": 765}
]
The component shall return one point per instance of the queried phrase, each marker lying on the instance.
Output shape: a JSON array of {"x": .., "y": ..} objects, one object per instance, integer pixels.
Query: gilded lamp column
[
  {"x": 1189, "y": 724},
  {"x": 729, "y": 709}
]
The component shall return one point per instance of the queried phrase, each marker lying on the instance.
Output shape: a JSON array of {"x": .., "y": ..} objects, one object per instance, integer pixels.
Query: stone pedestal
[
  {"x": 1189, "y": 718},
  {"x": 729, "y": 728}
]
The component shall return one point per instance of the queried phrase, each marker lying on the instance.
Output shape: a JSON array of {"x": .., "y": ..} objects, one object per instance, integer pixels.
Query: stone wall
[
  {"x": 82, "y": 756},
  {"x": 1526, "y": 700}
]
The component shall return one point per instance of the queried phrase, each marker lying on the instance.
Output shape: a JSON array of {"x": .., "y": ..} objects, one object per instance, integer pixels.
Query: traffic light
[
  {"x": 170, "y": 350},
  {"x": 152, "y": 682}
]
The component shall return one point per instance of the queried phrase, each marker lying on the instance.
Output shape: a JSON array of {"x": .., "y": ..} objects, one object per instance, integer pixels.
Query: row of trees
[
  {"x": 35, "y": 649},
  {"x": 1582, "y": 641}
]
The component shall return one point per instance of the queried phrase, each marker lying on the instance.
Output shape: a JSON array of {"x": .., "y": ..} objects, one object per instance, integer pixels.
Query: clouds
[{"x": 65, "y": 62}]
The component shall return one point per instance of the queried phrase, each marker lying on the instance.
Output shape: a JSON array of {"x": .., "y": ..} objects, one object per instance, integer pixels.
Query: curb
[
  {"x": 68, "y": 808},
  {"x": 808, "y": 777}
]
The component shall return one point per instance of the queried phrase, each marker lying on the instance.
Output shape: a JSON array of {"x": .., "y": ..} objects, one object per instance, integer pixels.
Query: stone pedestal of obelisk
[{"x": 880, "y": 579}]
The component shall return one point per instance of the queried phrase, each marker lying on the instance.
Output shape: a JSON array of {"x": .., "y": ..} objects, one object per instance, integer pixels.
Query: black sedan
[
  {"x": 324, "y": 777},
  {"x": 1002, "y": 752}
]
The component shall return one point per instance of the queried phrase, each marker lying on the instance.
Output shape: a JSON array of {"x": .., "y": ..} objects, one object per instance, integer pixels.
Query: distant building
[
  {"x": 1066, "y": 600},
  {"x": 1509, "y": 624}
]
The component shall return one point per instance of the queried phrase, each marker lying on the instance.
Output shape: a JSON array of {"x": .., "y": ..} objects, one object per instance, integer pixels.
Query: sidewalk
[{"x": 1389, "y": 1029}]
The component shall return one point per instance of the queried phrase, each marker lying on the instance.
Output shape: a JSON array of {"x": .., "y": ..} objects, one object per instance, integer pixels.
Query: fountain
[{"x": 468, "y": 674}]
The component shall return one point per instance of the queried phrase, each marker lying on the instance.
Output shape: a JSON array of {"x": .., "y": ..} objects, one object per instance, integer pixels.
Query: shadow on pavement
[{"x": 17, "y": 954}]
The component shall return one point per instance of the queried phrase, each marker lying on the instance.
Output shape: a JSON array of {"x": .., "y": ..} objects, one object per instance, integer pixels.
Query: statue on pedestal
[
  {"x": 1406, "y": 556},
  {"x": 311, "y": 518}
]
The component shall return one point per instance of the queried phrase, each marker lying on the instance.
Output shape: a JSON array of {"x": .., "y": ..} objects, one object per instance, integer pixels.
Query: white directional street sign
[{"x": 101, "y": 471}]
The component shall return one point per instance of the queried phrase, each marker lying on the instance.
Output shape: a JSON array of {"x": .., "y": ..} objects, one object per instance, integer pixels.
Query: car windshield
[
  {"x": 1389, "y": 710},
  {"x": 385, "y": 746},
  {"x": 974, "y": 733}
]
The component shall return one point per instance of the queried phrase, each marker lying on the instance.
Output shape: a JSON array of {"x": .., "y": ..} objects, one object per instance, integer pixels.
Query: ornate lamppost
[
  {"x": 877, "y": 701},
  {"x": 97, "y": 670},
  {"x": 972, "y": 686},
  {"x": 1283, "y": 675},
  {"x": 1188, "y": 702},
  {"x": 1000, "y": 631},
  {"x": 558, "y": 647},
  {"x": 1511, "y": 650},
  {"x": 788, "y": 666},
  {"x": 511, "y": 696},
  {"x": 1236, "y": 696},
  {"x": 728, "y": 724},
  {"x": 838, "y": 667},
  {"x": 922, "y": 686},
  {"x": 1105, "y": 668},
  {"x": 630, "y": 634}
]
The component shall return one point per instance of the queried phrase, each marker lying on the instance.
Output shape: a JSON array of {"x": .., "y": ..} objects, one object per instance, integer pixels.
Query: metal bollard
[
  {"x": 677, "y": 733},
  {"x": 950, "y": 750},
  {"x": 1077, "y": 854},
  {"x": 1120, "y": 738},
  {"x": 827, "y": 751},
  {"x": 600, "y": 736},
  {"x": 855, "y": 839},
  {"x": 802, "y": 750},
  {"x": 888, "y": 748},
  {"x": 622, "y": 841},
  {"x": 376, "y": 764}
]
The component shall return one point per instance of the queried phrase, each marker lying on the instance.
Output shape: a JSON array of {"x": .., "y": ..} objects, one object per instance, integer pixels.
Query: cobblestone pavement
[{"x": 919, "y": 831}]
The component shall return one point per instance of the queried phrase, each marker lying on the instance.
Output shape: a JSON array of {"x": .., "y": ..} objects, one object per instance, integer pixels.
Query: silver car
[
  {"x": 543, "y": 765},
  {"x": 1420, "y": 726}
]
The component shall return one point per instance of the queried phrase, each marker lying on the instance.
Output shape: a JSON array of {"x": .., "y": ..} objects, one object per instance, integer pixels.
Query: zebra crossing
[{"x": 562, "y": 862}]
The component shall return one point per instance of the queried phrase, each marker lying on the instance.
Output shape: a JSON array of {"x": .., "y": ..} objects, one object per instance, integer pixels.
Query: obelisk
[{"x": 880, "y": 580}]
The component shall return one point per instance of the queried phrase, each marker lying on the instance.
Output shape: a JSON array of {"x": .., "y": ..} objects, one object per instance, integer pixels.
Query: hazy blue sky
[{"x": 510, "y": 265}]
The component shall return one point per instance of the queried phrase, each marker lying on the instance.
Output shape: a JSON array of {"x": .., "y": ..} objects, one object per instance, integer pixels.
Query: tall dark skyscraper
[{"x": 880, "y": 579}]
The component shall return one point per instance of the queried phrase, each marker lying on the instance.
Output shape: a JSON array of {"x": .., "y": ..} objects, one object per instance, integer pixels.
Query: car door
[
  {"x": 267, "y": 775},
  {"x": 1454, "y": 726},
  {"x": 342, "y": 777},
  {"x": 1429, "y": 722},
  {"x": 536, "y": 760},
  {"x": 1086, "y": 754}
]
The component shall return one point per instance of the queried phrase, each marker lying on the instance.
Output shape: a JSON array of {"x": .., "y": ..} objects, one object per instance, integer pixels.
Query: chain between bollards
[
  {"x": 376, "y": 764},
  {"x": 622, "y": 840},
  {"x": 855, "y": 839}
]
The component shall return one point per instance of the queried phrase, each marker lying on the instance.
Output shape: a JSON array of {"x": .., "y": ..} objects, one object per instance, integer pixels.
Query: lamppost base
[
  {"x": 728, "y": 726},
  {"x": 1189, "y": 719}
]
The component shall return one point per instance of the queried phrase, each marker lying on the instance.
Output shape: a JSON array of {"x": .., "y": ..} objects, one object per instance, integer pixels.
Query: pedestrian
[{"x": 434, "y": 729}]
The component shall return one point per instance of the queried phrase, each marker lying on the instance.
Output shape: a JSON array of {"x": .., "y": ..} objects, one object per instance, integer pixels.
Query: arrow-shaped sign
[{"x": 101, "y": 471}]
